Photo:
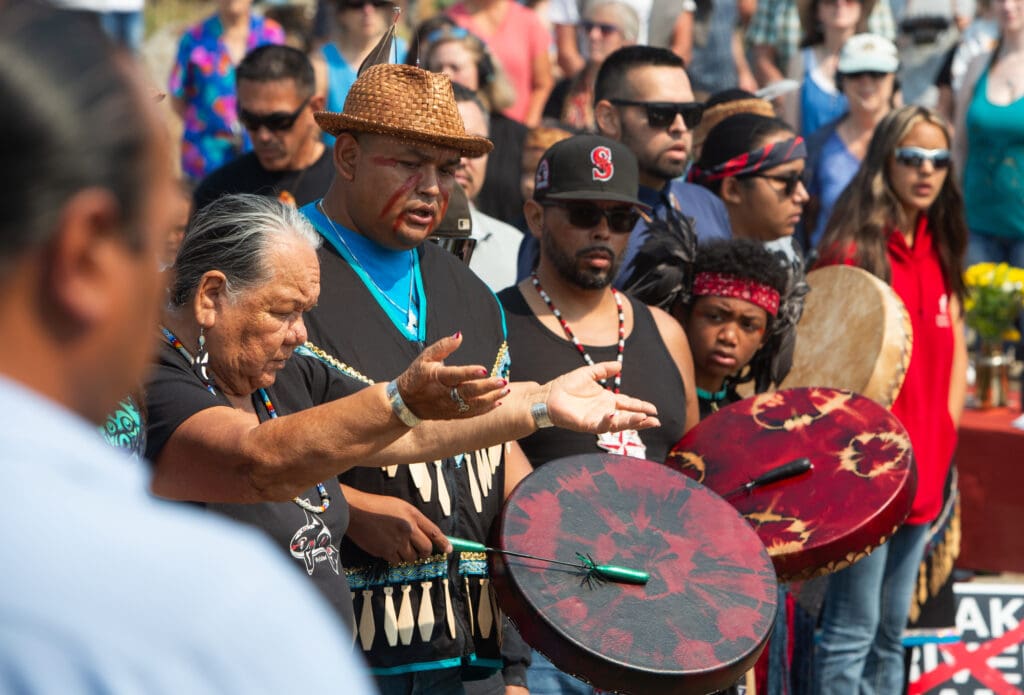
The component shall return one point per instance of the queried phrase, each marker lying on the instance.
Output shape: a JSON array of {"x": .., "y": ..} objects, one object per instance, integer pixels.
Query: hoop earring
[{"x": 202, "y": 360}]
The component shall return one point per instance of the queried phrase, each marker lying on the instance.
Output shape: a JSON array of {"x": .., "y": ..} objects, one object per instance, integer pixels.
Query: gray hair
[
  {"x": 234, "y": 234},
  {"x": 626, "y": 17}
]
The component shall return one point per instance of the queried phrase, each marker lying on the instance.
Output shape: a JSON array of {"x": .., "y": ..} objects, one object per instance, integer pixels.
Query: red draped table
[{"x": 990, "y": 461}]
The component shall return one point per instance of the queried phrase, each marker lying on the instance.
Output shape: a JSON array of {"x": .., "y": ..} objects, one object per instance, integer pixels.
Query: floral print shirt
[{"x": 204, "y": 78}]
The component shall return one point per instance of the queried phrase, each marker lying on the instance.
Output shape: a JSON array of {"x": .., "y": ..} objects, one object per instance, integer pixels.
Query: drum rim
[
  {"x": 833, "y": 554},
  {"x": 606, "y": 672}
]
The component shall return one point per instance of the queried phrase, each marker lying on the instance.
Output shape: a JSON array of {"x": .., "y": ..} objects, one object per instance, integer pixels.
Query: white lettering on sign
[{"x": 989, "y": 659}]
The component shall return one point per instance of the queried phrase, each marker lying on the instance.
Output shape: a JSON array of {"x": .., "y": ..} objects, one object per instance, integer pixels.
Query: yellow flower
[
  {"x": 995, "y": 299},
  {"x": 979, "y": 274}
]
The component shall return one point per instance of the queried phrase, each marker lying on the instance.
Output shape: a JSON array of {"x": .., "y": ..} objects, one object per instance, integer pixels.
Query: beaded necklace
[
  {"x": 713, "y": 399},
  {"x": 325, "y": 499},
  {"x": 572, "y": 336},
  {"x": 410, "y": 314}
]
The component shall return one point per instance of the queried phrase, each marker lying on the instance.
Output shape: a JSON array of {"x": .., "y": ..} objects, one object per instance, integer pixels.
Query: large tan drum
[{"x": 855, "y": 334}]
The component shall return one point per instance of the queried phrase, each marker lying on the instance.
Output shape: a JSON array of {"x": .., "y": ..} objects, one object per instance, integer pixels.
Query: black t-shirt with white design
[{"x": 174, "y": 394}]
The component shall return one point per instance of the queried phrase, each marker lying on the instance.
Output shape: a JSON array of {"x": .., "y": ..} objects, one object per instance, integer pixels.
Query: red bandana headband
[
  {"x": 721, "y": 285},
  {"x": 771, "y": 155}
]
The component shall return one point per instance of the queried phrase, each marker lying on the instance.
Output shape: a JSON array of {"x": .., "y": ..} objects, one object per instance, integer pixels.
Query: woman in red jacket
[{"x": 902, "y": 219}]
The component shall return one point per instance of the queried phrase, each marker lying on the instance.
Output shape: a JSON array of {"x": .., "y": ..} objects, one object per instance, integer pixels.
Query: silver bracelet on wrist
[
  {"x": 539, "y": 411},
  {"x": 398, "y": 406}
]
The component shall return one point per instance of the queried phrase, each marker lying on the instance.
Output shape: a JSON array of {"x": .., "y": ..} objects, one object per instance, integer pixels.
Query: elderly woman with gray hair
[
  {"x": 607, "y": 26},
  {"x": 232, "y": 414}
]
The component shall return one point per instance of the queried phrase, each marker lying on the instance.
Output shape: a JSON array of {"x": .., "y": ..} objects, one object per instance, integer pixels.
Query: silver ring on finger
[{"x": 457, "y": 399}]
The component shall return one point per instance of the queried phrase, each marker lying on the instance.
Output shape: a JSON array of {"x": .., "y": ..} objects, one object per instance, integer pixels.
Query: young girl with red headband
[
  {"x": 902, "y": 219},
  {"x": 737, "y": 287}
]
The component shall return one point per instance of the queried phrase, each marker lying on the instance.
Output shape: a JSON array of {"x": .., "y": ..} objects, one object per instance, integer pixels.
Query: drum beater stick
[
  {"x": 777, "y": 474},
  {"x": 614, "y": 573}
]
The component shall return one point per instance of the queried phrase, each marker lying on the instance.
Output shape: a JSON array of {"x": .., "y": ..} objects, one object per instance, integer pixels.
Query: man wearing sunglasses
[
  {"x": 643, "y": 99},
  {"x": 566, "y": 313},
  {"x": 276, "y": 101}
]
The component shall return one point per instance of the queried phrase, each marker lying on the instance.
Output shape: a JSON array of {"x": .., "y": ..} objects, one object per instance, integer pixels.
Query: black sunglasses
[
  {"x": 588, "y": 216},
  {"x": 789, "y": 181},
  {"x": 873, "y": 74},
  {"x": 917, "y": 156},
  {"x": 274, "y": 122},
  {"x": 662, "y": 114},
  {"x": 360, "y": 4},
  {"x": 605, "y": 28}
]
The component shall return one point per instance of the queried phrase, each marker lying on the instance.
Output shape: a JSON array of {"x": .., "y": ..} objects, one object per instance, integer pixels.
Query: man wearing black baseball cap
[{"x": 566, "y": 313}]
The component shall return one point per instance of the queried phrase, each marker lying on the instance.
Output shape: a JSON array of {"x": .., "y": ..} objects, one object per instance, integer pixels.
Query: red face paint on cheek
[{"x": 400, "y": 195}]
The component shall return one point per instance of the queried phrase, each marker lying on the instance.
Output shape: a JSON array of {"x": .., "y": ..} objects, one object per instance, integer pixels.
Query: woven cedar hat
[
  {"x": 407, "y": 103},
  {"x": 718, "y": 112}
]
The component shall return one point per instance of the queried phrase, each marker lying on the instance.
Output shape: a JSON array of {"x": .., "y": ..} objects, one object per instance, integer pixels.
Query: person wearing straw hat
[{"x": 425, "y": 620}]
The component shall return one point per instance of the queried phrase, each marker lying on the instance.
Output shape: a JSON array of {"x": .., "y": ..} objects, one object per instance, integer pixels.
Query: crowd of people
[{"x": 640, "y": 190}]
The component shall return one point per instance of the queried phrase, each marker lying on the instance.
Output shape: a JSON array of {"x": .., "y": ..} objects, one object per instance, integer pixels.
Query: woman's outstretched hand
[
  {"x": 435, "y": 391},
  {"x": 576, "y": 401}
]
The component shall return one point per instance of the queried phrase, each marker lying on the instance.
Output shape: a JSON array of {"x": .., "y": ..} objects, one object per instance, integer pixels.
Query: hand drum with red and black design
[
  {"x": 698, "y": 624},
  {"x": 859, "y": 491}
]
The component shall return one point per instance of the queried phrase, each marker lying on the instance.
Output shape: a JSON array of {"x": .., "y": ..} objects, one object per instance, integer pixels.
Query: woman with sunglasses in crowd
[
  {"x": 358, "y": 26},
  {"x": 827, "y": 25},
  {"x": 902, "y": 219},
  {"x": 607, "y": 26},
  {"x": 867, "y": 79}
]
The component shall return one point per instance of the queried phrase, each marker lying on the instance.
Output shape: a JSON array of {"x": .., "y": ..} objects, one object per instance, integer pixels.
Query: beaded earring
[{"x": 202, "y": 360}]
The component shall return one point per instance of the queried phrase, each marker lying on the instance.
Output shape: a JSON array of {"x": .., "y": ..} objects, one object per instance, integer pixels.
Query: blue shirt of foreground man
[{"x": 105, "y": 588}]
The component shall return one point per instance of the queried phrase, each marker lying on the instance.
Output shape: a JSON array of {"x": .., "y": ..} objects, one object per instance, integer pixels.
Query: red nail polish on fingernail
[
  {"x": 483, "y": 372},
  {"x": 458, "y": 334},
  {"x": 505, "y": 393},
  {"x": 504, "y": 382}
]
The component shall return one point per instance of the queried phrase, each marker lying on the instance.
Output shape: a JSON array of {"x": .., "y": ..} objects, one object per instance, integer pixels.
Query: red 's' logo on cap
[{"x": 601, "y": 158}]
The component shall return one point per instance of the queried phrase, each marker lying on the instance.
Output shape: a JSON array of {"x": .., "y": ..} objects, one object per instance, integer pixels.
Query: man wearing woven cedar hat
[{"x": 425, "y": 620}]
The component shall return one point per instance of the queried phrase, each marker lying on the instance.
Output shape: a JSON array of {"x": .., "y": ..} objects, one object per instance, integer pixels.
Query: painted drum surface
[
  {"x": 697, "y": 625},
  {"x": 858, "y": 492},
  {"x": 854, "y": 334}
]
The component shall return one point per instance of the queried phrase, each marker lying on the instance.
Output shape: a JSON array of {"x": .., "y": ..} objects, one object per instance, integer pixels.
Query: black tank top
[{"x": 648, "y": 372}]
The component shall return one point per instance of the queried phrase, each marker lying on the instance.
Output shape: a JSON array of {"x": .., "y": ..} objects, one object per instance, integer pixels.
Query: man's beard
[
  {"x": 568, "y": 267},
  {"x": 664, "y": 172},
  {"x": 652, "y": 168}
]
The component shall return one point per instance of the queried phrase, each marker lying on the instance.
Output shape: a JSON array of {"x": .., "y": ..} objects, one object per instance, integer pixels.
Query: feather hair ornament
[
  {"x": 663, "y": 268},
  {"x": 772, "y": 363},
  {"x": 381, "y": 53}
]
